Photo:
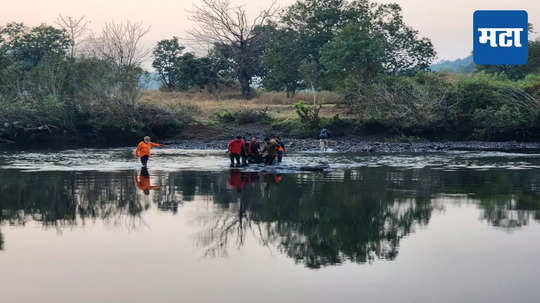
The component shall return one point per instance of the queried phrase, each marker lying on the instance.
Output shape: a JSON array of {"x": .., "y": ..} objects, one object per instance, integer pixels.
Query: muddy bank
[{"x": 360, "y": 145}]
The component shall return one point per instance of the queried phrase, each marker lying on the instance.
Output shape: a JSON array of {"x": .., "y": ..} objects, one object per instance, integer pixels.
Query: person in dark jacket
[
  {"x": 253, "y": 148},
  {"x": 235, "y": 150},
  {"x": 323, "y": 139}
]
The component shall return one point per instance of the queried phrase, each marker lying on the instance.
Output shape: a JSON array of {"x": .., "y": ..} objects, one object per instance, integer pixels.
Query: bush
[
  {"x": 308, "y": 114},
  {"x": 490, "y": 106},
  {"x": 326, "y": 97},
  {"x": 296, "y": 128},
  {"x": 481, "y": 106},
  {"x": 244, "y": 116}
]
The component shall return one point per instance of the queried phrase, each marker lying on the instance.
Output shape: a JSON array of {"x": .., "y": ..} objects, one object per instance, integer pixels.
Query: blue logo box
[{"x": 500, "y": 37}]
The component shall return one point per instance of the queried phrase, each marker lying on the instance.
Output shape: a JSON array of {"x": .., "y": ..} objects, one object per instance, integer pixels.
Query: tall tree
[
  {"x": 281, "y": 61},
  {"x": 167, "y": 53},
  {"x": 315, "y": 22},
  {"x": 379, "y": 28},
  {"x": 218, "y": 22},
  {"x": 29, "y": 47},
  {"x": 405, "y": 51},
  {"x": 354, "y": 51}
]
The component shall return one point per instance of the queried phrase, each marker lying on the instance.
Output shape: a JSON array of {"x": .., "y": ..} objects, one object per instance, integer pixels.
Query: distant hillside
[{"x": 463, "y": 66}]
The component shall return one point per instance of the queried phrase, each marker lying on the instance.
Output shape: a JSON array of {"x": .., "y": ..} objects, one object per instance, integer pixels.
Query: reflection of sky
[
  {"x": 170, "y": 159},
  {"x": 456, "y": 258}
]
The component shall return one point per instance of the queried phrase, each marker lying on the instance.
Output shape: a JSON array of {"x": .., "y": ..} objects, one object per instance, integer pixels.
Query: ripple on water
[{"x": 170, "y": 159}]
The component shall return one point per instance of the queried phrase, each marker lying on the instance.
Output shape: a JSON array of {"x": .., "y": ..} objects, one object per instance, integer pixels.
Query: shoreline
[
  {"x": 355, "y": 145},
  {"x": 338, "y": 144}
]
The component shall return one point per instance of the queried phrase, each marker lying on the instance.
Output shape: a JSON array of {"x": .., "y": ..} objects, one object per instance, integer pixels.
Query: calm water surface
[{"x": 90, "y": 226}]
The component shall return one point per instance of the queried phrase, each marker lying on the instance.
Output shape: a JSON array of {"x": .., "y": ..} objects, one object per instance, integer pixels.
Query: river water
[{"x": 90, "y": 225}]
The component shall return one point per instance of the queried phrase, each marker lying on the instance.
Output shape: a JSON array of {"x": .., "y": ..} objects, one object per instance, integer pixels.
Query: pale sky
[{"x": 448, "y": 23}]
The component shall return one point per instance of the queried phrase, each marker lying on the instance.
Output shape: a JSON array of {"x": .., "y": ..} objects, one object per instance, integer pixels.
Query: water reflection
[
  {"x": 316, "y": 219},
  {"x": 143, "y": 182}
]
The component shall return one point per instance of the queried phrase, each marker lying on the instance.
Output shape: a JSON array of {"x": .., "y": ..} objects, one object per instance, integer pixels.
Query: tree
[
  {"x": 218, "y": 22},
  {"x": 380, "y": 28},
  {"x": 166, "y": 56},
  {"x": 75, "y": 29},
  {"x": 281, "y": 61},
  {"x": 32, "y": 60},
  {"x": 29, "y": 47},
  {"x": 315, "y": 22},
  {"x": 406, "y": 53},
  {"x": 354, "y": 51},
  {"x": 120, "y": 43}
]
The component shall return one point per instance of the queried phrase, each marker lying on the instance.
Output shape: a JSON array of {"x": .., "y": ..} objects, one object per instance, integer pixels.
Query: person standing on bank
[
  {"x": 323, "y": 139},
  {"x": 143, "y": 150}
]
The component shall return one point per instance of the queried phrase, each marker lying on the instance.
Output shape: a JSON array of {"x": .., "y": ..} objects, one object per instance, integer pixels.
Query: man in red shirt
[{"x": 235, "y": 149}]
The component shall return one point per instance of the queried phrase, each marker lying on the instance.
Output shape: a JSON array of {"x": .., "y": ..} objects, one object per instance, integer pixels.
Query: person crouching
[
  {"x": 269, "y": 151},
  {"x": 235, "y": 150},
  {"x": 253, "y": 151}
]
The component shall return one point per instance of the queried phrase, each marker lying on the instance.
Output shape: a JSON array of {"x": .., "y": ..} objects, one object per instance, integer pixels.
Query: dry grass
[
  {"x": 204, "y": 106},
  {"x": 326, "y": 97}
]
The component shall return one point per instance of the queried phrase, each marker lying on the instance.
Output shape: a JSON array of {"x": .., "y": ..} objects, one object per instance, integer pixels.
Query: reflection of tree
[
  {"x": 362, "y": 215},
  {"x": 352, "y": 215},
  {"x": 60, "y": 199},
  {"x": 229, "y": 228},
  {"x": 508, "y": 198},
  {"x": 511, "y": 211},
  {"x": 317, "y": 223},
  {"x": 1, "y": 241}
]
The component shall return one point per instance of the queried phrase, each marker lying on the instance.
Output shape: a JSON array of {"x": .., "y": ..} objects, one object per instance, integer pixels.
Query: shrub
[
  {"x": 326, "y": 97},
  {"x": 244, "y": 116},
  {"x": 296, "y": 128},
  {"x": 308, "y": 114}
]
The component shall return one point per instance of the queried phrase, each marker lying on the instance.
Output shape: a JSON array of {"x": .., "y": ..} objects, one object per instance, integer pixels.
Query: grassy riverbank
[{"x": 424, "y": 107}]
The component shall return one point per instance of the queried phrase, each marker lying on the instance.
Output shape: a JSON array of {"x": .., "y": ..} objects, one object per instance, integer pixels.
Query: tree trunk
[{"x": 244, "y": 85}]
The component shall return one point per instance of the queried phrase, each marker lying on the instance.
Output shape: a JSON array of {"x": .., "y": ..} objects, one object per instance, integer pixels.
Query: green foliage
[
  {"x": 166, "y": 55},
  {"x": 354, "y": 52},
  {"x": 492, "y": 106},
  {"x": 308, "y": 114},
  {"x": 295, "y": 128},
  {"x": 244, "y": 116},
  {"x": 45, "y": 92},
  {"x": 516, "y": 72},
  {"x": 183, "y": 71},
  {"x": 477, "y": 106},
  {"x": 30, "y": 46},
  {"x": 281, "y": 61},
  {"x": 359, "y": 39}
]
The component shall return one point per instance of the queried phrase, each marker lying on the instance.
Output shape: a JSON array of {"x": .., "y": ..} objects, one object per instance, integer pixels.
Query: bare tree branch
[
  {"x": 217, "y": 21},
  {"x": 120, "y": 43},
  {"x": 76, "y": 28}
]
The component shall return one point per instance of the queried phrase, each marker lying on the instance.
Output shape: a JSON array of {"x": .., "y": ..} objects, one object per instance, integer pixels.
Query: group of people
[{"x": 243, "y": 153}]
